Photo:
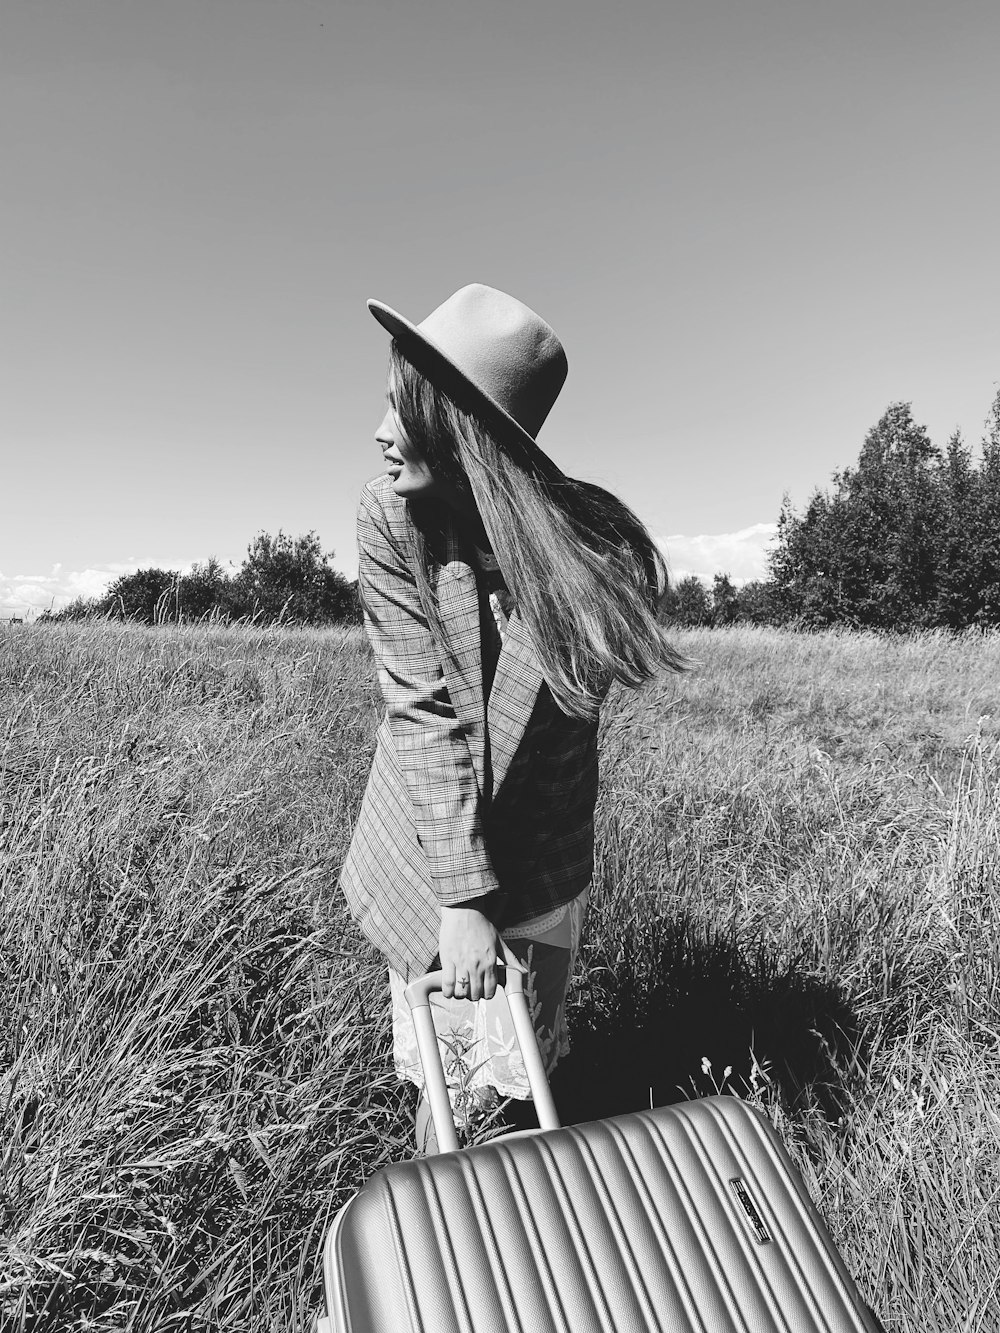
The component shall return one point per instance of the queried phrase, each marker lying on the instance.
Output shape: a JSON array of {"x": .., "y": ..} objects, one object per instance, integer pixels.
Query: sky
[{"x": 753, "y": 223}]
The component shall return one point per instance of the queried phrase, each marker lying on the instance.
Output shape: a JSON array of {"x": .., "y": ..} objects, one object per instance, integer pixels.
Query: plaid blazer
[{"x": 468, "y": 795}]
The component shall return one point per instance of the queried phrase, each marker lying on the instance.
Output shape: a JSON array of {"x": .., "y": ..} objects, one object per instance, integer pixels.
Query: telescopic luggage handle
[{"x": 418, "y": 995}]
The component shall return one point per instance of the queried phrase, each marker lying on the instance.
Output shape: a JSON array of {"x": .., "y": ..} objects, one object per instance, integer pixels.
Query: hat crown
[{"x": 507, "y": 351}]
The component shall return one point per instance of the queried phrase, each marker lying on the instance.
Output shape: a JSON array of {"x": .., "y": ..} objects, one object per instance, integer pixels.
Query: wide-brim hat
[{"x": 490, "y": 352}]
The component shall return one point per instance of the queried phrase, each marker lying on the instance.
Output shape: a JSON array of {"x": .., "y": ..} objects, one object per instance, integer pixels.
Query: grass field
[{"x": 796, "y": 898}]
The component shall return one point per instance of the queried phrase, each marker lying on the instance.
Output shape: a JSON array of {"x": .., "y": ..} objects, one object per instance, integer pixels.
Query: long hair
[{"x": 584, "y": 573}]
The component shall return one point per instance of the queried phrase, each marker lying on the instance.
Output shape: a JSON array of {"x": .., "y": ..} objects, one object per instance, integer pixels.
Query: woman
[{"x": 501, "y": 599}]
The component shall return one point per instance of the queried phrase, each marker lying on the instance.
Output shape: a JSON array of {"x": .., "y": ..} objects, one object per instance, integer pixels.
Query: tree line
[
  {"x": 283, "y": 579},
  {"x": 908, "y": 538}
]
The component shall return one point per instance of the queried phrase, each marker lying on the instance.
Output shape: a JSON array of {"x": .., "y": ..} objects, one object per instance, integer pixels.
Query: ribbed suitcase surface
[{"x": 684, "y": 1219}]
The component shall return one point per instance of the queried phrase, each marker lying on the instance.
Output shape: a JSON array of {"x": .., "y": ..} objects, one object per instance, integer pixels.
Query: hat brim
[{"x": 444, "y": 374}]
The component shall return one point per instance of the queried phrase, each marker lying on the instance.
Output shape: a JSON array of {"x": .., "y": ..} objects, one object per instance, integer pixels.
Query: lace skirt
[{"x": 478, "y": 1047}]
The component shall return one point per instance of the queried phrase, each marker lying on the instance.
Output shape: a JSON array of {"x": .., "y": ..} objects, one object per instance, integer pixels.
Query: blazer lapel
[
  {"x": 458, "y": 609},
  {"x": 512, "y": 698}
]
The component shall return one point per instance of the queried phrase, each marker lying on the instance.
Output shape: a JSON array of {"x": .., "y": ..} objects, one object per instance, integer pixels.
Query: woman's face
[{"x": 411, "y": 475}]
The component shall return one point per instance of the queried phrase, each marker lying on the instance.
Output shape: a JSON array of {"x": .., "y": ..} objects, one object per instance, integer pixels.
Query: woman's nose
[{"x": 386, "y": 434}]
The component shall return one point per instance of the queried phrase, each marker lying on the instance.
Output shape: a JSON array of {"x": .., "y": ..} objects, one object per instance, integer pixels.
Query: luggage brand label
[{"x": 757, "y": 1224}]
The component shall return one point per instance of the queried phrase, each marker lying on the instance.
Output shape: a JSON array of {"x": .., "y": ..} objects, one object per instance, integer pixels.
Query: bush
[{"x": 283, "y": 579}]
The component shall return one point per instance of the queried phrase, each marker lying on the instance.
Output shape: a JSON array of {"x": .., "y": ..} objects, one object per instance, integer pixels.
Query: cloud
[
  {"x": 28, "y": 595},
  {"x": 742, "y": 555}
]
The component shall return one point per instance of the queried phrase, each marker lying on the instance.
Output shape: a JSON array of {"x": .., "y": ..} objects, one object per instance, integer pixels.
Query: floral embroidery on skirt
[{"x": 478, "y": 1047}]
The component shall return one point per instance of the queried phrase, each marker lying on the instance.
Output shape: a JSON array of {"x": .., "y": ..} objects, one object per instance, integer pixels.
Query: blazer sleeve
[{"x": 428, "y": 738}]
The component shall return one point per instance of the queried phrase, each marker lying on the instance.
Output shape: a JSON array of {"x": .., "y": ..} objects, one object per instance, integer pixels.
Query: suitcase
[{"x": 682, "y": 1219}]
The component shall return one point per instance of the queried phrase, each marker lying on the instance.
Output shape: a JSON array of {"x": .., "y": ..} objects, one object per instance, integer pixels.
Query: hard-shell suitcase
[{"x": 683, "y": 1219}]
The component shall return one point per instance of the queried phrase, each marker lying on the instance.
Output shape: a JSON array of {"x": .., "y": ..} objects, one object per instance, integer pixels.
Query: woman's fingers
[
  {"x": 481, "y": 983},
  {"x": 469, "y": 979},
  {"x": 489, "y": 981},
  {"x": 468, "y": 950},
  {"x": 447, "y": 978},
  {"x": 469, "y": 971}
]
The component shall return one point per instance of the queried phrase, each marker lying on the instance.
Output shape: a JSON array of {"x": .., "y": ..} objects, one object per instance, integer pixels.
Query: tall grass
[{"x": 795, "y": 900}]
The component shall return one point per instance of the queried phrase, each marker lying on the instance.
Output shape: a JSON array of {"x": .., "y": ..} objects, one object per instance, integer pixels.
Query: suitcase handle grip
[{"x": 418, "y": 995}]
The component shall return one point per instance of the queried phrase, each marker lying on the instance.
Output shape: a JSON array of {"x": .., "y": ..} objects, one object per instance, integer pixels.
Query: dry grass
[{"x": 795, "y": 899}]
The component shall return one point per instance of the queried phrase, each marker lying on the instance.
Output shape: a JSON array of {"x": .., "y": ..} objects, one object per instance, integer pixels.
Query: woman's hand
[{"x": 468, "y": 946}]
